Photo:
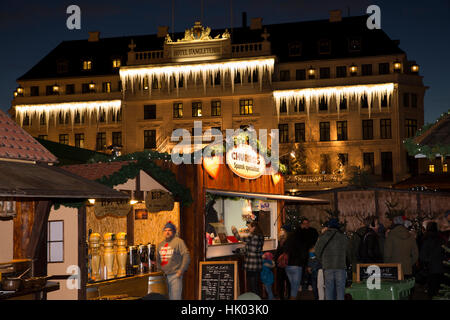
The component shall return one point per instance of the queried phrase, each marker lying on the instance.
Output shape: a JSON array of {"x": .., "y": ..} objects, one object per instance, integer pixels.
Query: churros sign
[{"x": 244, "y": 161}]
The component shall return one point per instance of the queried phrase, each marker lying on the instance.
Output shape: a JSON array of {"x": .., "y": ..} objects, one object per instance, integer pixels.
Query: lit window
[
  {"x": 246, "y": 106},
  {"x": 444, "y": 168},
  {"x": 55, "y": 241},
  {"x": 87, "y": 65},
  {"x": 431, "y": 168},
  {"x": 116, "y": 63}
]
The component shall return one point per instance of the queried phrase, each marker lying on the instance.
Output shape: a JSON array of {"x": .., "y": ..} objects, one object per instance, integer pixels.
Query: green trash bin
[{"x": 389, "y": 290}]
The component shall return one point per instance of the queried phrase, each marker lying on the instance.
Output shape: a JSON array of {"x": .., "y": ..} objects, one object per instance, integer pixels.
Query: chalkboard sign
[
  {"x": 389, "y": 271},
  {"x": 218, "y": 280}
]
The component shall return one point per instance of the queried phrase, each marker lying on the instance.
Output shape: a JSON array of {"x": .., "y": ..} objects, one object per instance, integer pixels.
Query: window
[
  {"x": 366, "y": 69},
  {"x": 383, "y": 68},
  {"x": 285, "y": 75},
  {"x": 79, "y": 140},
  {"x": 63, "y": 119},
  {"x": 300, "y": 132},
  {"x": 34, "y": 91},
  {"x": 413, "y": 100},
  {"x": 196, "y": 109},
  {"x": 444, "y": 168},
  {"x": 85, "y": 88},
  {"x": 70, "y": 89},
  {"x": 325, "y": 164},
  {"x": 341, "y": 72},
  {"x": 354, "y": 44},
  {"x": 431, "y": 168},
  {"x": 283, "y": 133},
  {"x": 324, "y": 131},
  {"x": 295, "y": 49},
  {"x": 43, "y": 136},
  {"x": 49, "y": 90},
  {"x": 385, "y": 129},
  {"x": 410, "y": 128},
  {"x": 384, "y": 101},
  {"x": 64, "y": 138},
  {"x": 150, "y": 111},
  {"x": 299, "y": 105},
  {"x": 101, "y": 116},
  {"x": 116, "y": 63},
  {"x": 106, "y": 87},
  {"x": 324, "y": 73},
  {"x": 87, "y": 65},
  {"x": 324, "y": 46},
  {"x": 26, "y": 120},
  {"x": 42, "y": 120},
  {"x": 246, "y": 106},
  {"x": 343, "y": 159},
  {"x": 300, "y": 74},
  {"x": 368, "y": 162},
  {"x": 406, "y": 100},
  {"x": 117, "y": 138},
  {"x": 178, "y": 110},
  {"x": 62, "y": 66},
  {"x": 364, "y": 102},
  {"x": 117, "y": 117},
  {"x": 214, "y": 81},
  {"x": 216, "y": 108},
  {"x": 343, "y": 104},
  {"x": 341, "y": 128},
  {"x": 323, "y": 104},
  {"x": 367, "y": 126},
  {"x": 100, "y": 143},
  {"x": 149, "y": 139},
  {"x": 55, "y": 241},
  {"x": 237, "y": 77},
  {"x": 283, "y": 106}
]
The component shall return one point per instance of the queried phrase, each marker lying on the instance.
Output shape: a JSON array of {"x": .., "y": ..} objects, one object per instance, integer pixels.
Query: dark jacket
[
  {"x": 401, "y": 247},
  {"x": 296, "y": 249},
  {"x": 369, "y": 248},
  {"x": 253, "y": 251},
  {"x": 431, "y": 253},
  {"x": 332, "y": 249},
  {"x": 310, "y": 235}
]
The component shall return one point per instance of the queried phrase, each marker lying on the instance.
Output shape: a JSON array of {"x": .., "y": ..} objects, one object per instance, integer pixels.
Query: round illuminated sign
[{"x": 244, "y": 161}]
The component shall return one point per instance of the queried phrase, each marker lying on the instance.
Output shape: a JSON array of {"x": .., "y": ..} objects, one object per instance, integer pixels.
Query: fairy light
[
  {"x": 70, "y": 108},
  {"x": 312, "y": 96},
  {"x": 204, "y": 71}
]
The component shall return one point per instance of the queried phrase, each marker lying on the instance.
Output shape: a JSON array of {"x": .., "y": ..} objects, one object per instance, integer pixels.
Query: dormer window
[
  {"x": 324, "y": 46},
  {"x": 87, "y": 64},
  {"x": 62, "y": 66},
  {"x": 354, "y": 44},
  {"x": 116, "y": 63},
  {"x": 295, "y": 49}
]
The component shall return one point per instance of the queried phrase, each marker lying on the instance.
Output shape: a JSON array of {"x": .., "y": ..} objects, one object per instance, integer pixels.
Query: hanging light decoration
[
  {"x": 313, "y": 95},
  {"x": 415, "y": 68},
  {"x": 55, "y": 89},
  {"x": 135, "y": 77},
  {"x": 311, "y": 72},
  {"x": 397, "y": 66},
  {"x": 19, "y": 91},
  {"x": 353, "y": 70}
]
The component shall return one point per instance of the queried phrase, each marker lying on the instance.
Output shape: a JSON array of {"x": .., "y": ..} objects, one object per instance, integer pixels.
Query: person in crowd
[
  {"x": 381, "y": 237},
  {"x": 369, "y": 249},
  {"x": 401, "y": 247},
  {"x": 267, "y": 274},
  {"x": 283, "y": 284},
  {"x": 431, "y": 257},
  {"x": 297, "y": 260},
  {"x": 332, "y": 250},
  {"x": 172, "y": 257},
  {"x": 253, "y": 255},
  {"x": 310, "y": 236},
  {"x": 313, "y": 269}
]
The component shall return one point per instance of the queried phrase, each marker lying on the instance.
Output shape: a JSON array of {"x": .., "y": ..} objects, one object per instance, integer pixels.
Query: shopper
[
  {"x": 253, "y": 255},
  {"x": 313, "y": 269},
  {"x": 369, "y": 250},
  {"x": 267, "y": 274},
  {"x": 401, "y": 247},
  {"x": 283, "y": 285},
  {"x": 431, "y": 257},
  {"x": 310, "y": 236},
  {"x": 333, "y": 251},
  {"x": 173, "y": 259},
  {"x": 297, "y": 260}
]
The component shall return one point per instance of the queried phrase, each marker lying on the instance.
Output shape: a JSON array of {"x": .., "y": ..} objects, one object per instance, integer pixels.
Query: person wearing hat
[
  {"x": 173, "y": 259},
  {"x": 333, "y": 252}
]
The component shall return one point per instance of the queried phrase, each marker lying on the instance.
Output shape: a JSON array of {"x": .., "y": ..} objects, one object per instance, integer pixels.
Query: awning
[{"x": 268, "y": 196}]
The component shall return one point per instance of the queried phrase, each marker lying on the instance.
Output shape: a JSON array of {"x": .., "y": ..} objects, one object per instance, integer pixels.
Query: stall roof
[
  {"x": 26, "y": 180},
  {"x": 268, "y": 196}
]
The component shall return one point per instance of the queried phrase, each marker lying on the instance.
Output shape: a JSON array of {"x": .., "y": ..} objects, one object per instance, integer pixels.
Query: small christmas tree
[{"x": 444, "y": 293}]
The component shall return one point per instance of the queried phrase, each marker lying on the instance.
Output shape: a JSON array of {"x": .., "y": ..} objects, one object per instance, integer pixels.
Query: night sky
[{"x": 30, "y": 30}]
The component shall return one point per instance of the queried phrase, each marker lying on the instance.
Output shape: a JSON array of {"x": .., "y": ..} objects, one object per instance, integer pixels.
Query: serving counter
[{"x": 130, "y": 287}]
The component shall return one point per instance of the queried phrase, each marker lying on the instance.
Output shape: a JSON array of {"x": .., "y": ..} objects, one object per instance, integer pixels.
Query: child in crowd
[
  {"x": 266, "y": 273},
  {"x": 313, "y": 268}
]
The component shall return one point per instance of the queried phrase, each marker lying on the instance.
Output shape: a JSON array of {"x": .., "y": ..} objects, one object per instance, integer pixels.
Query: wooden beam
[{"x": 82, "y": 252}]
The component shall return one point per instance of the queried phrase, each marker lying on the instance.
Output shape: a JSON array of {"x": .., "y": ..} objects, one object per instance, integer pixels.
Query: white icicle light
[
  {"x": 196, "y": 71},
  {"x": 312, "y": 95},
  {"x": 70, "y": 108}
]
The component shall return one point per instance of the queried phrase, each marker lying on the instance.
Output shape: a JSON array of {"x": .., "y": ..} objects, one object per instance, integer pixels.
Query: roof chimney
[
  {"x": 162, "y": 31},
  {"x": 256, "y": 23},
  {"x": 94, "y": 36},
  {"x": 244, "y": 19},
  {"x": 335, "y": 16}
]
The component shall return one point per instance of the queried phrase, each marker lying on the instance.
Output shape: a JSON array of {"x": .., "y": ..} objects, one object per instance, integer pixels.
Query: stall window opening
[{"x": 55, "y": 241}]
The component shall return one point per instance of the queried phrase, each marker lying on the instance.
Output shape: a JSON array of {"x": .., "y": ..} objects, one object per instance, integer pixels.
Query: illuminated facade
[{"x": 347, "y": 94}]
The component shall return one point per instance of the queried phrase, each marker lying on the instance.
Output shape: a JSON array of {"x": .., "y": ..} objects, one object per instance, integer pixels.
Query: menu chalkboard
[
  {"x": 218, "y": 280},
  {"x": 388, "y": 271}
]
